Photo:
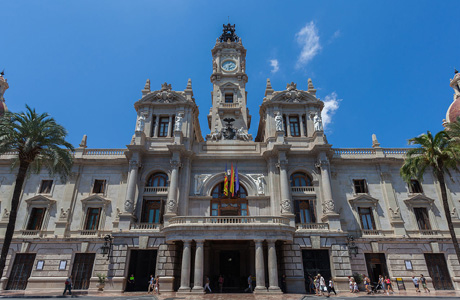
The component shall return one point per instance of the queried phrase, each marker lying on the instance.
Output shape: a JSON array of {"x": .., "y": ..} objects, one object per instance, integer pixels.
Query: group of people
[
  {"x": 383, "y": 284},
  {"x": 154, "y": 285},
  {"x": 417, "y": 280},
  {"x": 318, "y": 285}
]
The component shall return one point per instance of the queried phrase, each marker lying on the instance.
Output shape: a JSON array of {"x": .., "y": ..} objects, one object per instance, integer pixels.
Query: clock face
[{"x": 229, "y": 65}]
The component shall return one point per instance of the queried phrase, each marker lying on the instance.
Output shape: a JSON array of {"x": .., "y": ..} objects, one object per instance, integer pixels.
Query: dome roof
[{"x": 454, "y": 111}]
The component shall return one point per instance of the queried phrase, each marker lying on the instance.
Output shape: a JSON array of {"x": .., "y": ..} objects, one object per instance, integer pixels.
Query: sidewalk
[{"x": 217, "y": 296}]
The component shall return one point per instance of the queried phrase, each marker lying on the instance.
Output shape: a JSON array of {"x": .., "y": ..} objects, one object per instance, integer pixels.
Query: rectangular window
[
  {"x": 295, "y": 126},
  {"x": 229, "y": 98},
  {"x": 92, "y": 218},
  {"x": 45, "y": 187},
  {"x": 154, "y": 122},
  {"x": 163, "y": 127},
  {"x": 305, "y": 212},
  {"x": 360, "y": 186},
  {"x": 423, "y": 221},
  {"x": 99, "y": 186},
  {"x": 152, "y": 211},
  {"x": 415, "y": 187},
  {"x": 304, "y": 124},
  {"x": 366, "y": 217},
  {"x": 36, "y": 218},
  {"x": 214, "y": 209}
]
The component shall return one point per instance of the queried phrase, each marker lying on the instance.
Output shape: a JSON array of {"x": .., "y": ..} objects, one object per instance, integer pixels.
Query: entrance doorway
[
  {"x": 82, "y": 269},
  {"x": 439, "y": 273},
  {"x": 20, "y": 273},
  {"x": 142, "y": 264},
  {"x": 315, "y": 262},
  {"x": 232, "y": 260},
  {"x": 376, "y": 265}
]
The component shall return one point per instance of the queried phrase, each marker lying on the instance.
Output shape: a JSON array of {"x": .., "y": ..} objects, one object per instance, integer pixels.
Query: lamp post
[
  {"x": 106, "y": 249},
  {"x": 352, "y": 248}
]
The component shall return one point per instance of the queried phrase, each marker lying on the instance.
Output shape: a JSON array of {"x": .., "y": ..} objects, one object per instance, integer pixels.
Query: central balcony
[
  {"x": 155, "y": 190},
  {"x": 229, "y": 228},
  {"x": 303, "y": 191}
]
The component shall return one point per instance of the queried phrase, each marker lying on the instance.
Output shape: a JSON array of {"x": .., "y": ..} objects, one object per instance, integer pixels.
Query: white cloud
[
  {"x": 331, "y": 104},
  {"x": 275, "y": 65},
  {"x": 308, "y": 39}
]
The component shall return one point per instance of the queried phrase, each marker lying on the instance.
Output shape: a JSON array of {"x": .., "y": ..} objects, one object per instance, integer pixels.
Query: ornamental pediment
[
  {"x": 40, "y": 200},
  {"x": 163, "y": 97},
  {"x": 419, "y": 200},
  {"x": 294, "y": 96},
  {"x": 95, "y": 200},
  {"x": 363, "y": 200}
]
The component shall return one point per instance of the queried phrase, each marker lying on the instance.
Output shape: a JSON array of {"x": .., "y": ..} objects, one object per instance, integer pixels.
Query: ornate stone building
[{"x": 301, "y": 208}]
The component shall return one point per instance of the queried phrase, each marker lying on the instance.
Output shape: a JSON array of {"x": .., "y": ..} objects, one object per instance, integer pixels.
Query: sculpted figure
[
  {"x": 279, "y": 122},
  {"x": 318, "y": 122},
  {"x": 216, "y": 135},
  {"x": 140, "y": 123},
  {"x": 260, "y": 184},
  {"x": 178, "y": 122},
  {"x": 240, "y": 134}
]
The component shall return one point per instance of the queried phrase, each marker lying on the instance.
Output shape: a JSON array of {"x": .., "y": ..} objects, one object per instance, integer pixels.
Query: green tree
[
  {"x": 440, "y": 154},
  {"x": 39, "y": 142}
]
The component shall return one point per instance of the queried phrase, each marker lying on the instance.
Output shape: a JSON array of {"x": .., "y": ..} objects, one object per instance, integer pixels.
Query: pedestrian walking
[
  {"x": 415, "y": 280},
  {"x": 388, "y": 284},
  {"x": 350, "y": 283},
  {"x": 68, "y": 285},
  {"x": 331, "y": 288},
  {"x": 317, "y": 287},
  {"x": 151, "y": 284},
  {"x": 355, "y": 287},
  {"x": 380, "y": 284},
  {"x": 131, "y": 282},
  {"x": 156, "y": 285},
  {"x": 249, "y": 288},
  {"x": 206, "y": 285},
  {"x": 423, "y": 280},
  {"x": 322, "y": 285},
  {"x": 367, "y": 283},
  {"x": 221, "y": 283},
  {"x": 311, "y": 284}
]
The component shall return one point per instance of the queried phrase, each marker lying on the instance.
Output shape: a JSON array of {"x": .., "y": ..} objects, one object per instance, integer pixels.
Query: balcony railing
[
  {"x": 30, "y": 232},
  {"x": 88, "y": 232},
  {"x": 156, "y": 190},
  {"x": 243, "y": 220},
  {"x": 312, "y": 226},
  {"x": 307, "y": 190},
  {"x": 230, "y": 105},
  {"x": 428, "y": 232},
  {"x": 146, "y": 226},
  {"x": 371, "y": 232}
]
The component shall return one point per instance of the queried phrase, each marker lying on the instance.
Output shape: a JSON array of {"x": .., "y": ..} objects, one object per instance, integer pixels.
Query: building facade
[{"x": 301, "y": 208}]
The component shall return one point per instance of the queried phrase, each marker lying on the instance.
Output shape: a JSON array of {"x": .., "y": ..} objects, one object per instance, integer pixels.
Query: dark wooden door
[
  {"x": 20, "y": 273},
  {"x": 439, "y": 273},
  {"x": 82, "y": 269},
  {"x": 376, "y": 265}
]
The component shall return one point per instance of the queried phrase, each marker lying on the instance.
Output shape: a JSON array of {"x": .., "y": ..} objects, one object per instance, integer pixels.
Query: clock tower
[{"x": 229, "y": 117}]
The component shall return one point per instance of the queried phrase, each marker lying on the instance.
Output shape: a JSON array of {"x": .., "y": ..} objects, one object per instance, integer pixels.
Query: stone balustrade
[
  {"x": 429, "y": 232},
  {"x": 312, "y": 226},
  {"x": 30, "y": 232},
  {"x": 155, "y": 190},
  {"x": 146, "y": 226},
  {"x": 105, "y": 152},
  {"x": 371, "y": 232},
  {"x": 230, "y": 105},
  {"x": 304, "y": 190},
  {"x": 359, "y": 153},
  {"x": 218, "y": 220},
  {"x": 88, "y": 232}
]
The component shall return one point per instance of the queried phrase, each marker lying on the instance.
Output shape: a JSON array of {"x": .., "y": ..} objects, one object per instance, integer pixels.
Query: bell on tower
[
  {"x": 228, "y": 34},
  {"x": 3, "y": 87}
]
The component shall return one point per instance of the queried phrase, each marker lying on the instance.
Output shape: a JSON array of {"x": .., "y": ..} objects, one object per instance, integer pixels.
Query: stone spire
[
  {"x": 146, "y": 89},
  {"x": 188, "y": 90},
  {"x": 375, "y": 142},
  {"x": 83, "y": 141},
  {"x": 3, "y": 87},
  {"x": 268, "y": 89},
  {"x": 311, "y": 88}
]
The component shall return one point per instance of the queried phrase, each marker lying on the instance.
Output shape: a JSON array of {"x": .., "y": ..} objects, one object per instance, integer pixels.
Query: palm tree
[
  {"x": 39, "y": 142},
  {"x": 441, "y": 154}
]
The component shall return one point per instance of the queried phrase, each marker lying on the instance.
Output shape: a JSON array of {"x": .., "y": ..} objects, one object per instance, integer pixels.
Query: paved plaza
[{"x": 217, "y": 296}]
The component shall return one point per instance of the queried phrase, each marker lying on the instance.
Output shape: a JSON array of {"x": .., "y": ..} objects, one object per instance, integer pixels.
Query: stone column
[
  {"x": 260, "y": 269},
  {"x": 157, "y": 126},
  {"x": 284, "y": 186},
  {"x": 172, "y": 194},
  {"x": 198, "y": 278},
  {"x": 185, "y": 269},
  {"x": 288, "y": 127},
  {"x": 272, "y": 267},
  {"x": 329, "y": 213},
  {"x": 302, "y": 133},
  {"x": 132, "y": 183}
]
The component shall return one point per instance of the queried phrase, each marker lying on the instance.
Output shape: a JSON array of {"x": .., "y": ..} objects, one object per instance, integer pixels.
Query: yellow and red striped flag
[
  {"x": 232, "y": 182},
  {"x": 226, "y": 182}
]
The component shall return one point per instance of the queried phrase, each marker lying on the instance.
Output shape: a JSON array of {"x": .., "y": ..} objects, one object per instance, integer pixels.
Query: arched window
[
  {"x": 300, "y": 179},
  {"x": 157, "y": 180},
  {"x": 218, "y": 192}
]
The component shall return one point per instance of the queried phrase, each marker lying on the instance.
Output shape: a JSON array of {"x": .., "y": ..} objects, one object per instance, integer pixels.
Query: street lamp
[
  {"x": 352, "y": 248},
  {"x": 106, "y": 249}
]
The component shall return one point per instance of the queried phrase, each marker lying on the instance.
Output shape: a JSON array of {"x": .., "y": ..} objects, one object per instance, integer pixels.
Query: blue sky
[{"x": 383, "y": 65}]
